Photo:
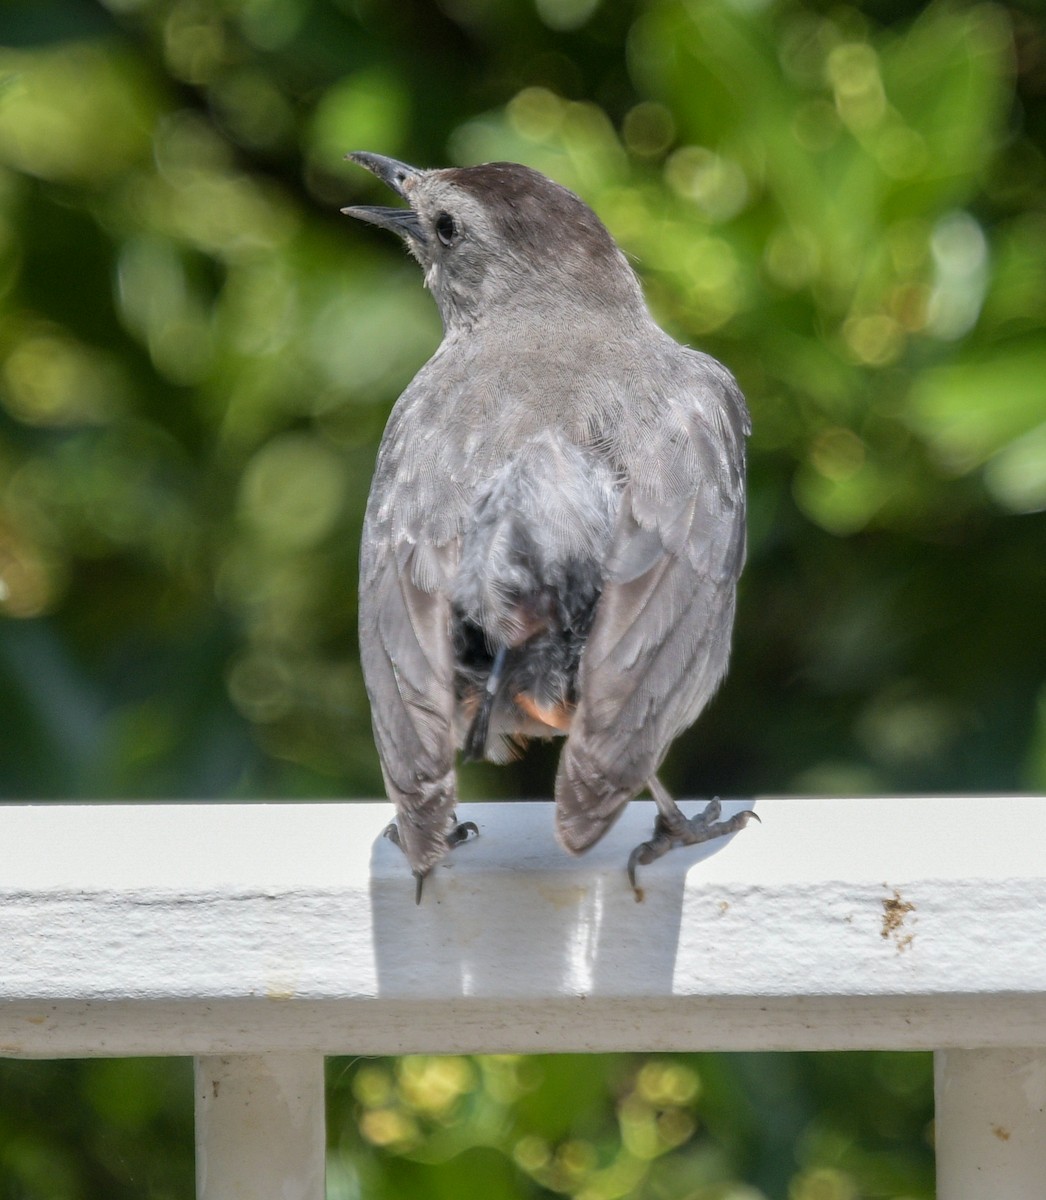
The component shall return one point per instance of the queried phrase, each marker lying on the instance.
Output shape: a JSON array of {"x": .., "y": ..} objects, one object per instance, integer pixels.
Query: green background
[{"x": 845, "y": 203}]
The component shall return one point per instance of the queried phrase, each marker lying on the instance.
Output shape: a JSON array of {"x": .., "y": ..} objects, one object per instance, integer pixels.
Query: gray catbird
[{"x": 557, "y": 520}]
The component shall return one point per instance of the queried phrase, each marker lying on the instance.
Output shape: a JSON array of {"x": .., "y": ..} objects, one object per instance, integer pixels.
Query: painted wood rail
[{"x": 260, "y": 937}]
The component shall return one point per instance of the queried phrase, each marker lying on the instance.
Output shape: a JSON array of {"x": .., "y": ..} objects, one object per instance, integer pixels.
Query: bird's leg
[
  {"x": 672, "y": 829},
  {"x": 475, "y": 747},
  {"x": 459, "y": 833}
]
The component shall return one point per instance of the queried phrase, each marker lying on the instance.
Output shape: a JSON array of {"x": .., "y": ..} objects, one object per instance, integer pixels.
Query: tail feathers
[{"x": 587, "y": 803}]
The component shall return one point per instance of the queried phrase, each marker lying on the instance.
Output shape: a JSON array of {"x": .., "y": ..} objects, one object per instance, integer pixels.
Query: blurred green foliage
[
  {"x": 845, "y": 202},
  {"x": 810, "y": 1127}
]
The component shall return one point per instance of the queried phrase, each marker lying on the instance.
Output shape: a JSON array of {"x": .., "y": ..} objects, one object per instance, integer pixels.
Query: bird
[{"x": 556, "y": 522}]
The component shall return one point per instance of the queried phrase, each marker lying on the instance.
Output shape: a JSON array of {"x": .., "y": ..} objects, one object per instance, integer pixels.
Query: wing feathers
[
  {"x": 405, "y": 646},
  {"x": 660, "y": 641}
]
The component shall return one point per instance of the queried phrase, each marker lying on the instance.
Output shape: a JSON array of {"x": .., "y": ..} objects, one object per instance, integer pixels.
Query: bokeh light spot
[
  {"x": 565, "y": 14},
  {"x": 536, "y": 113},
  {"x": 716, "y": 186},
  {"x": 368, "y": 110},
  {"x": 853, "y": 71},
  {"x": 293, "y": 490},
  {"x": 648, "y": 129},
  {"x": 50, "y": 379}
]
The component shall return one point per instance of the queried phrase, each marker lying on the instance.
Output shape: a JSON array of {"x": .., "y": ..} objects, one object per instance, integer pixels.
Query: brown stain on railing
[{"x": 895, "y": 910}]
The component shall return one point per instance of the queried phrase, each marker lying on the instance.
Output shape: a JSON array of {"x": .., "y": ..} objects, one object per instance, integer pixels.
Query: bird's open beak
[{"x": 398, "y": 176}]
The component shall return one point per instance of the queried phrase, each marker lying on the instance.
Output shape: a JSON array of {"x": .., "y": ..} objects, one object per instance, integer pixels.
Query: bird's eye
[{"x": 446, "y": 230}]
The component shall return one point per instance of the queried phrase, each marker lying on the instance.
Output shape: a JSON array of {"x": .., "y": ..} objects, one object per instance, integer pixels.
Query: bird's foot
[
  {"x": 458, "y": 834},
  {"x": 677, "y": 830},
  {"x": 462, "y": 833}
]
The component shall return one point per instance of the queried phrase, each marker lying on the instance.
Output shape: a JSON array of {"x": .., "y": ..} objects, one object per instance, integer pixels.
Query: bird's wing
[
  {"x": 407, "y": 663},
  {"x": 660, "y": 641},
  {"x": 408, "y": 558}
]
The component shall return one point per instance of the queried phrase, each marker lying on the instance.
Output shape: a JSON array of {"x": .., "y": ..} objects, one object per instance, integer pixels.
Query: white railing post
[
  {"x": 991, "y": 1124},
  {"x": 260, "y": 1130}
]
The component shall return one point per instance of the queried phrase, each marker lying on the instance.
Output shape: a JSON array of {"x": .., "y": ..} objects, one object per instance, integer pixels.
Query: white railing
[{"x": 260, "y": 937}]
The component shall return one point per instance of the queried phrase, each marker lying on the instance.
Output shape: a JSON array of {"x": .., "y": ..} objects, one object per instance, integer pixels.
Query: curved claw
[
  {"x": 419, "y": 883},
  {"x": 669, "y": 833},
  {"x": 634, "y": 860},
  {"x": 462, "y": 833}
]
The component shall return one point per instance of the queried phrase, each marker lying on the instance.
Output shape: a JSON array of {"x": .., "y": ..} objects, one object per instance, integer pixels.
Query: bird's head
[{"x": 502, "y": 242}]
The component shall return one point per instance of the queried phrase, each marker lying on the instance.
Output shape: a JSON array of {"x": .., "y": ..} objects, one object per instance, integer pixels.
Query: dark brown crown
[{"x": 533, "y": 214}]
